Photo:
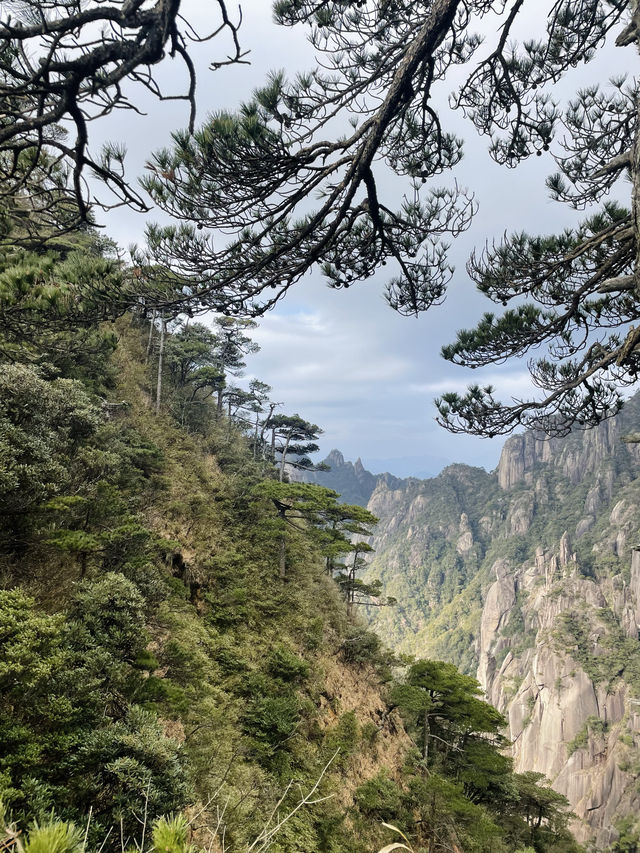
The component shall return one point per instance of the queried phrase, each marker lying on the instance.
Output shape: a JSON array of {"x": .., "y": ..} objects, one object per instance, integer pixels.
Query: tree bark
[
  {"x": 265, "y": 424},
  {"x": 426, "y": 731},
  {"x": 635, "y": 194},
  {"x": 163, "y": 331},
  {"x": 351, "y": 593},
  {"x": 283, "y": 556},
  {"x": 255, "y": 438},
  {"x": 150, "y": 341},
  {"x": 284, "y": 455}
]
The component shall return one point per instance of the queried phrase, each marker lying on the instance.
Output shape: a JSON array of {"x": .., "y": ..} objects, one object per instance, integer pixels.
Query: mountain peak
[{"x": 335, "y": 459}]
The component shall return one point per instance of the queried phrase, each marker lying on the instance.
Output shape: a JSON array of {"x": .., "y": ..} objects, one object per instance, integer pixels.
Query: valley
[{"x": 527, "y": 577}]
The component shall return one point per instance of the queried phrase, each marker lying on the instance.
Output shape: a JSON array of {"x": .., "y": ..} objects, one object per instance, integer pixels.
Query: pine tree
[
  {"x": 293, "y": 439},
  {"x": 254, "y": 172},
  {"x": 355, "y": 590},
  {"x": 66, "y": 61}
]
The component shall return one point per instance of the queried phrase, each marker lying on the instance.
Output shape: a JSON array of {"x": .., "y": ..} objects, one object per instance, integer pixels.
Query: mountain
[
  {"x": 353, "y": 482},
  {"x": 528, "y": 577}
]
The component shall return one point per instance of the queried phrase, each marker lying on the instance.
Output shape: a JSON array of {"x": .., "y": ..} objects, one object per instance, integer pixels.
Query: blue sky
[{"x": 343, "y": 359}]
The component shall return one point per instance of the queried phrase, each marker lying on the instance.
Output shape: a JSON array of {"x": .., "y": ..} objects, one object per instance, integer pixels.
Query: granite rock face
[
  {"x": 577, "y": 725},
  {"x": 575, "y": 458},
  {"x": 528, "y": 577}
]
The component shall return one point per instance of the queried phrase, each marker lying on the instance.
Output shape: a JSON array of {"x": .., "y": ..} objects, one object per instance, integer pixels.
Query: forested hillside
[{"x": 178, "y": 664}]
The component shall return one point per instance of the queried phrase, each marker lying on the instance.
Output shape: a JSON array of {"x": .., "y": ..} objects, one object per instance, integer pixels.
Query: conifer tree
[
  {"x": 65, "y": 62},
  {"x": 344, "y": 523},
  {"x": 231, "y": 346},
  {"x": 314, "y": 509},
  {"x": 293, "y": 440},
  {"x": 254, "y": 171},
  {"x": 355, "y": 590}
]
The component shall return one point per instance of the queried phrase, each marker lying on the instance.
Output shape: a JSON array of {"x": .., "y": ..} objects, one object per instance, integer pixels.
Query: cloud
[
  {"x": 321, "y": 346},
  {"x": 318, "y": 360}
]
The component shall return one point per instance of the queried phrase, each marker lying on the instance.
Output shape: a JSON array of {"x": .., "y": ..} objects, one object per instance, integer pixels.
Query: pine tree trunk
[
  {"x": 163, "y": 331},
  {"x": 635, "y": 147},
  {"x": 635, "y": 177},
  {"x": 284, "y": 457},
  {"x": 255, "y": 438},
  {"x": 265, "y": 424},
  {"x": 150, "y": 341},
  {"x": 425, "y": 735},
  {"x": 351, "y": 593},
  {"x": 283, "y": 556}
]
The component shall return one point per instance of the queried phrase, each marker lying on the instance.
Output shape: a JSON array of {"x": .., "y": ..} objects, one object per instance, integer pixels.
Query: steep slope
[
  {"x": 528, "y": 575},
  {"x": 152, "y": 659},
  {"x": 429, "y": 548},
  {"x": 559, "y": 650},
  {"x": 178, "y": 670}
]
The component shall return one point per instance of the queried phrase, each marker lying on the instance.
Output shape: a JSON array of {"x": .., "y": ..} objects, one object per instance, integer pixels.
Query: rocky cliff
[
  {"x": 528, "y": 577},
  {"x": 571, "y": 695},
  {"x": 558, "y": 642}
]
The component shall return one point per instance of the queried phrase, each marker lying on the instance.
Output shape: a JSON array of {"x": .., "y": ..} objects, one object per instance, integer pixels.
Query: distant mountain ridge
[{"x": 351, "y": 480}]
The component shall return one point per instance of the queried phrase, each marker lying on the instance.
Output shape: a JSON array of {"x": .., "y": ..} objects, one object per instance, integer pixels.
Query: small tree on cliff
[
  {"x": 355, "y": 590},
  {"x": 293, "y": 439},
  {"x": 445, "y": 706},
  {"x": 231, "y": 347},
  {"x": 310, "y": 510},
  {"x": 344, "y": 523}
]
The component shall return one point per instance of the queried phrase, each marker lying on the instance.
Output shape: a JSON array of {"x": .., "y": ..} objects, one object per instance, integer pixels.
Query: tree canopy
[
  {"x": 66, "y": 64},
  {"x": 370, "y": 105},
  {"x": 291, "y": 180}
]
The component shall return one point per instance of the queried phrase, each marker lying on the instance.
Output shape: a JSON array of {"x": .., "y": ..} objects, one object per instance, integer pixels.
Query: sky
[{"x": 343, "y": 359}]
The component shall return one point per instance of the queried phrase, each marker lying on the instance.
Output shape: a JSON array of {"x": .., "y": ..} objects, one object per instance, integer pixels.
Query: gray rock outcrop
[{"x": 579, "y": 730}]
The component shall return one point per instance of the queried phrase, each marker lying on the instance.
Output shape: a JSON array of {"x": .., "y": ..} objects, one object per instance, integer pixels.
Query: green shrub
[
  {"x": 593, "y": 726},
  {"x": 379, "y": 797},
  {"x": 287, "y": 665},
  {"x": 54, "y": 836},
  {"x": 361, "y": 647},
  {"x": 126, "y": 767},
  {"x": 110, "y": 614},
  {"x": 271, "y": 719},
  {"x": 169, "y": 835},
  {"x": 343, "y": 737}
]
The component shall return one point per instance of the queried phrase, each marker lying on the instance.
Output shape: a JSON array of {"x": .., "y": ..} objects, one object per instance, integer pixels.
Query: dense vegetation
[
  {"x": 178, "y": 664},
  {"x": 179, "y": 669}
]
